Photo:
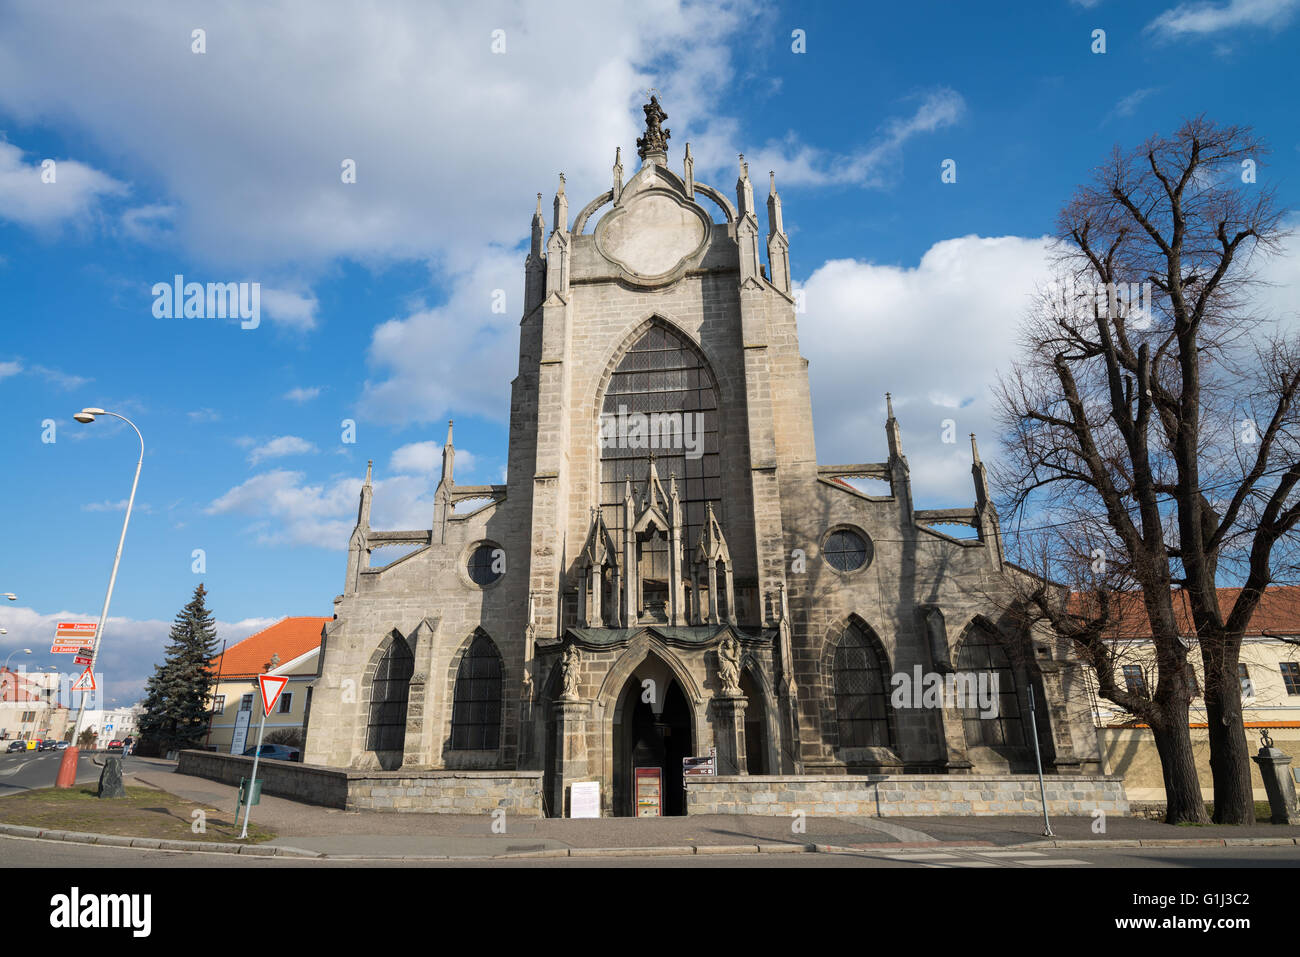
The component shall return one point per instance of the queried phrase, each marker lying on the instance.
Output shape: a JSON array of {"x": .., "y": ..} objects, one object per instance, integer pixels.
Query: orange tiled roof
[
  {"x": 1278, "y": 612},
  {"x": 288, "y": 639}
]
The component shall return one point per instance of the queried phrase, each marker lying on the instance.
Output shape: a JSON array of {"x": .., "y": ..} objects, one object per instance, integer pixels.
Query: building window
[
  {"x": 286, "y": 702},
  {"x": 1134, "y": 680},
  {"x": 29, "y": 717},
  {"x": 485, "y": 564},
  {"x": 661, "y": 399},
  {"x": 861, "y": 704},
  {"x": 846, "y": 550},
  {"x": 246, "y": 703},
  {"x": 476, "y": 705},
  {"x": 219, "y": 704},
  {"x": 983, "y": 656},
  {"x": 1247, "y": 684},
  {"x": 389, "y": 692},
  {"x": 1291, "y": 677}
]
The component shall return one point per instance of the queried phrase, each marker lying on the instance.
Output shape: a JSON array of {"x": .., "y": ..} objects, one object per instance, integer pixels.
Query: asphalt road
[
  {"x": 23, "y": 852},
  {"x": 25, "y": 770}
]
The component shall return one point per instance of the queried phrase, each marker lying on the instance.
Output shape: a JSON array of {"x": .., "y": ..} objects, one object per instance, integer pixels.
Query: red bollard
[{"x": 68, "y": 768}]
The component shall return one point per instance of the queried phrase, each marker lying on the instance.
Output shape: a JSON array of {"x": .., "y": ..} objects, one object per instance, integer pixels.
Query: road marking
[
  {"x": 1065, "y": 861},
  {"x": 1010, "y": 853}
]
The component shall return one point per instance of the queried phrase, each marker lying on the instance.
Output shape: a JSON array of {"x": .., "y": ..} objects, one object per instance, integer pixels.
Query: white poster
[
  {"x": 584, "y": 799},
  {"x": 240, "y": 741}
]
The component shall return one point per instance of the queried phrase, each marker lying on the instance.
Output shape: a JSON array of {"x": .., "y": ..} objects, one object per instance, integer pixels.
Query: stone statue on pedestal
[{"x": 729, "y": 666}]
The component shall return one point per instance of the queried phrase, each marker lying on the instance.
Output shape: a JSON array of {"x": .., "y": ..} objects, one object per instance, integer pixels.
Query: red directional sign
[
  {"x": 271, "y": 686},
  {"x": 76, "y": 629}
]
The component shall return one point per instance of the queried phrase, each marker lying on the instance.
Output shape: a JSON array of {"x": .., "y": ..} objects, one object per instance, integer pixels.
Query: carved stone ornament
[
  {"x": 656, "y": 137},
  {"x": 729, "y": 666}
]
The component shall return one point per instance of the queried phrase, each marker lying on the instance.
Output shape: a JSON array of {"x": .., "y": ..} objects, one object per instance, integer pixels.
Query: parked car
[
  {"x": 61, "y": 746},
  {"x": 114, "y": 745},
  {"x": 46, "y": 744},
  {"x": 16, "y": 746},
  {"x": 277, "y": 752}
]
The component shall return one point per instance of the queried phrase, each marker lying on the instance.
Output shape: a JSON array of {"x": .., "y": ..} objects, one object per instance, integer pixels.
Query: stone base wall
[
  {"x": 905, "y": 795},
  {"x": 438, "y": 792}
]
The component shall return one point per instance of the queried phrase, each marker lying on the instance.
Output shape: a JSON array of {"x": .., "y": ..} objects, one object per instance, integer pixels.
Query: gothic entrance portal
[{"x": 652, "y": 729}]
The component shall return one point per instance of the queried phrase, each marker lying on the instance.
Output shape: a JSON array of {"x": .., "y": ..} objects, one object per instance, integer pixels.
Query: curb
[
  {"x": 1172, "y": 842},
  {"x": 691, "y": 850},
  {"x": 154, "y": 843}
]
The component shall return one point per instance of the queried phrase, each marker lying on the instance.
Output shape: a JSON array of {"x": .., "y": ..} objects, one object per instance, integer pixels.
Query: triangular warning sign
[
  {"x": 271, "y": 687},
  {"x": 86, "y": 682}
]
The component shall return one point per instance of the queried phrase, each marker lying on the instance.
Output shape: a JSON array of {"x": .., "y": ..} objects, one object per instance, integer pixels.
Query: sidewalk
[{"x": 379, "y": 834}]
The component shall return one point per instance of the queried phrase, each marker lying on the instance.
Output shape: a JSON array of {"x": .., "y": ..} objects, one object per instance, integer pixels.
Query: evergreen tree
[{"x": 176, "y": 696}]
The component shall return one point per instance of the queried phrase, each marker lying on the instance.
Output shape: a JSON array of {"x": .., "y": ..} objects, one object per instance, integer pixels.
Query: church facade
[{"x": 668, "y": 572}]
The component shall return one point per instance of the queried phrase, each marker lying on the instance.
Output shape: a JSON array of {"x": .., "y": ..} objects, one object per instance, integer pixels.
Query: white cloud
[
  {"x": 150, "y": 223},
  {"x": 448, "y": 139},
  {"x": 459, "y": 356},
  {"x": 292, "y": 309},
  {"x": 301, "y": 394},
  {"x": 130, "y": 649},
  {"x": 279, "y": 447},
  {"x": 1129, "y": 104},
  {"x": 285, "y": 510},
  {"x": 118, "y": 506},
  {"x": 424, "y": 458},
  {"x": 25, "y": 199},
  {"x": 934, "y": 335},
  {"x": 10, "y": 368},
  {"x": 797, "y": 163},
  {"x": 1200, "y": 19}
]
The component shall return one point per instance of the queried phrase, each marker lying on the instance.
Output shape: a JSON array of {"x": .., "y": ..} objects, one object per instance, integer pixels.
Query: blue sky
[{"x": 376, "y": 295}]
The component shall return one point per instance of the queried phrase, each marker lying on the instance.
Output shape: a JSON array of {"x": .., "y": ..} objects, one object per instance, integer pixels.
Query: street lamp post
[{"x": 68, "y": 767}]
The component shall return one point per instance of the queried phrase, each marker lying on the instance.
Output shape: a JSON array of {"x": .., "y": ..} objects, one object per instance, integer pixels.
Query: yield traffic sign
[{"x": 271, "y": 687}]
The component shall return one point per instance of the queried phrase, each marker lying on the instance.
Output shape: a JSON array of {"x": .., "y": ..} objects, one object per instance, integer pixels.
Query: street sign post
[{"x": 271, "y": 686}]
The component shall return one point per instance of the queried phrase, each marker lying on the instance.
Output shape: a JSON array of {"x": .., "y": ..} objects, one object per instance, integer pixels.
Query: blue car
[{"x": 277, "y": 752}]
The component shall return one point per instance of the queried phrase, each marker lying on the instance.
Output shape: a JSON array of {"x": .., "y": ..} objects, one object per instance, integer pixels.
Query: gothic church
[{"x": 668, "y": 572}]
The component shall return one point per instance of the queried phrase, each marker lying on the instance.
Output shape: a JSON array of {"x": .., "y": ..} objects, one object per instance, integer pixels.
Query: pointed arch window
[
  {"x": 476, "y": 704},
  {"x": 389, "y": 692},
  {"x": 661, "y": 399},
  {"x": 983, "y": 657},
  {"x": 861, "y": 704}
]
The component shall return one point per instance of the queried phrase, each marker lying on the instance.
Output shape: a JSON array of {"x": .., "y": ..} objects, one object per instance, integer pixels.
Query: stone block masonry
[
  {"x": 445, "y": 792},
  {"x": 908, "y": 795}
]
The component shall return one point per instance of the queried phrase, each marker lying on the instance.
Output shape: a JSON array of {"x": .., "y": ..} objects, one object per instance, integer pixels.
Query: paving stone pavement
[{"x": 970, "y": 841}]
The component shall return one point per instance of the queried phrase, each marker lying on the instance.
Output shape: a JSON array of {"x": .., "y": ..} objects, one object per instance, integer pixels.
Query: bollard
[{"x": 1274, "y": 768}]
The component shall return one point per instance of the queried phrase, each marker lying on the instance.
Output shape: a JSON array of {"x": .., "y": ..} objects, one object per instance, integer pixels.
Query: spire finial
[
  {"x": 561, "y": 189},
  {"x": 889, "y": 405},
  {"x": 744, "y": 167},
  {"x": 368, "y": 467},
  {"x": 449, "y": 424},
  {"x": 771, "y": 181},
  {"x": 539, "y": 204},
  {"x": 974, "y": 449}
]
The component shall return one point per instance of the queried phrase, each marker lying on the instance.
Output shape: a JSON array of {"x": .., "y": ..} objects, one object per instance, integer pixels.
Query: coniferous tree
[{"x": 176, "y": 696}]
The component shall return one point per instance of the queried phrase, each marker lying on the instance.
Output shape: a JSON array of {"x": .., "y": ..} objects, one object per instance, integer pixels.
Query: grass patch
[{"x": 144, "y": 812}]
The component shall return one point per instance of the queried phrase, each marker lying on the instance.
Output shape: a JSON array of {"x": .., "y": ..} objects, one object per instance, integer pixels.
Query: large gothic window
[
  {"x": 388, "y": 696},
  {"x": 661, "y": 399},
  {"x": 983, "y": 657},
  {"x": 861, "y": 704},
  {"x": 476, "y": 705}
]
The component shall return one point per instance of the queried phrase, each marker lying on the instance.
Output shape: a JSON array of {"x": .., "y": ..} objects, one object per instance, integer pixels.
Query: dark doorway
[
  {"x": 755, "y": 725},
  {"x": 645, "y": 740}
]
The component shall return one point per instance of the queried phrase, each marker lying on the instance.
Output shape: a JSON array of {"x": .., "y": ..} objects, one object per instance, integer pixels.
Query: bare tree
[{"x": 1165, "y": 429}]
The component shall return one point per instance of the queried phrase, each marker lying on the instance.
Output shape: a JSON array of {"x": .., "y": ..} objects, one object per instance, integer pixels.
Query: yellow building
[
  {"x": 1269, "y": 672},
  {"x": 290, "y": 648}
]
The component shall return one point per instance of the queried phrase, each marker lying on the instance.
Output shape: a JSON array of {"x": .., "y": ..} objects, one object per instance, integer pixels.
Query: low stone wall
[
  {"x": 901, "y": 795},
  {"x": 447, "y": 792}
]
